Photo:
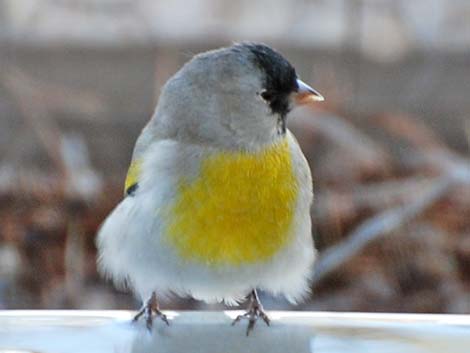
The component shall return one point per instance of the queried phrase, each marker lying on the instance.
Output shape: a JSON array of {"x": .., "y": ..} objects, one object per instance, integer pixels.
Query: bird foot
[
  {"x": 254, "y": 312},
  {"x": 150, "y": 310}
]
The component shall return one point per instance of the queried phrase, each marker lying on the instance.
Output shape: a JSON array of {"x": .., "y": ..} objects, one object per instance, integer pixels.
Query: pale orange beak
[{"x": 306, "y": 94}]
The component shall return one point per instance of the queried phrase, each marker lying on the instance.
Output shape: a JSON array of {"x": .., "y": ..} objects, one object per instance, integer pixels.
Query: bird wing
[
  {"x": 144, "y": 140},
  {"x": 132, "y": 179}
]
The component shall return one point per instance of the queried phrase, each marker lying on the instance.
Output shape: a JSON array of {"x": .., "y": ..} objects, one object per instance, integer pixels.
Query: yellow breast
[{"x": 239, "y": 210}]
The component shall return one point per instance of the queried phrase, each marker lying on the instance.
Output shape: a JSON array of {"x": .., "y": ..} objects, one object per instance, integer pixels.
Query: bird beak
[{"x": 306, "y": 94}]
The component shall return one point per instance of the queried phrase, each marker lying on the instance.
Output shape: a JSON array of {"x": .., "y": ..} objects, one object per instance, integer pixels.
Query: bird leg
[
  {"x": 149, "y": 310},
  {"x": 254, "y": 312}
]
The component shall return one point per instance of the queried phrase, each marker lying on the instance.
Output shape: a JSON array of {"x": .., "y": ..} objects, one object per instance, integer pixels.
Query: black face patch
[{"x": 280, "y": 78}]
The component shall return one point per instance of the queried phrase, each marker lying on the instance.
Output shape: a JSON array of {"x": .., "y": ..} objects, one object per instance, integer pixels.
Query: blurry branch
[
  {"x": 54, "y": 97},
  {"x": 82, "y": 181},
  {"x": 76, "y": 181},
  {"x": 74, "y": 261},
  {"x": 343, "y": 134},
  {"x": 428, "y": 150},
  {"x": 449, "y": 162},
  {"x": 377, "y": 226},
  {"x": 452, "y": 168},
  {"x": 377, "y": 196},
  {"x": 411, "y": 130},
  {"x": 27, "y": 182},
  {"x": 467, "y": 132},
  {"x": 30, "y": 102},
  {"x": 68, "y": 154}
]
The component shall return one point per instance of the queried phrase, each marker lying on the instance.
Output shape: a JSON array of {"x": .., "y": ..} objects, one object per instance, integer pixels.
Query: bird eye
[{"x": 266, "y": 95}]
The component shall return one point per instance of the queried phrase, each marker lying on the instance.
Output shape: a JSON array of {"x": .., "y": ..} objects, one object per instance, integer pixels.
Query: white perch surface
[{"x": 211, "y": 332}]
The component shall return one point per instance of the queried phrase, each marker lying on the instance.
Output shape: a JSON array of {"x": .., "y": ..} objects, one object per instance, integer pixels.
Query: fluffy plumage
[{"x": 224, "y": 191}]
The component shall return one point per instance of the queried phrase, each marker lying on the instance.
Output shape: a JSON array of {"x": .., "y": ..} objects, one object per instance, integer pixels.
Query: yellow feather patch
[
  {"x": 238, "y": 211},
  {"x": 133, "y": 175}
]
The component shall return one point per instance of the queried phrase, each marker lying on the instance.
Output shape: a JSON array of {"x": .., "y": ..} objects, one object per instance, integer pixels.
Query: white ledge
[{"x": 211, "y": 332}]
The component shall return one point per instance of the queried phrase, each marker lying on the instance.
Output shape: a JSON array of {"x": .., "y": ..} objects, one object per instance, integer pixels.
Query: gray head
[{"x": 235, "y": 98}]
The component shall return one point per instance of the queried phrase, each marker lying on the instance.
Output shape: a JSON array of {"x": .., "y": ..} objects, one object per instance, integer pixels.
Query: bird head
[{"x": 237, "y": 97}]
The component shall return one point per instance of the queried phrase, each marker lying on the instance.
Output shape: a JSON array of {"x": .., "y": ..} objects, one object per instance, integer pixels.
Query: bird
[{"x": 218, "y": 193}]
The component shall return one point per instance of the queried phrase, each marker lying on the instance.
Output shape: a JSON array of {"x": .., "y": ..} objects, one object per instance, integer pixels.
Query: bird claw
[
  {"x": 150, "y": 310},
  {"x": 254, "y": 312}
]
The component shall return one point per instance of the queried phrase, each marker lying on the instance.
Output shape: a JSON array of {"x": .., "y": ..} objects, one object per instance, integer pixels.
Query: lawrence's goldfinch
[{"x": 218, "y": 192}]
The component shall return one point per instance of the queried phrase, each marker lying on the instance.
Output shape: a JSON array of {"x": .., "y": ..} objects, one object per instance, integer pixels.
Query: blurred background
[{"x": 388, "y": 149}]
